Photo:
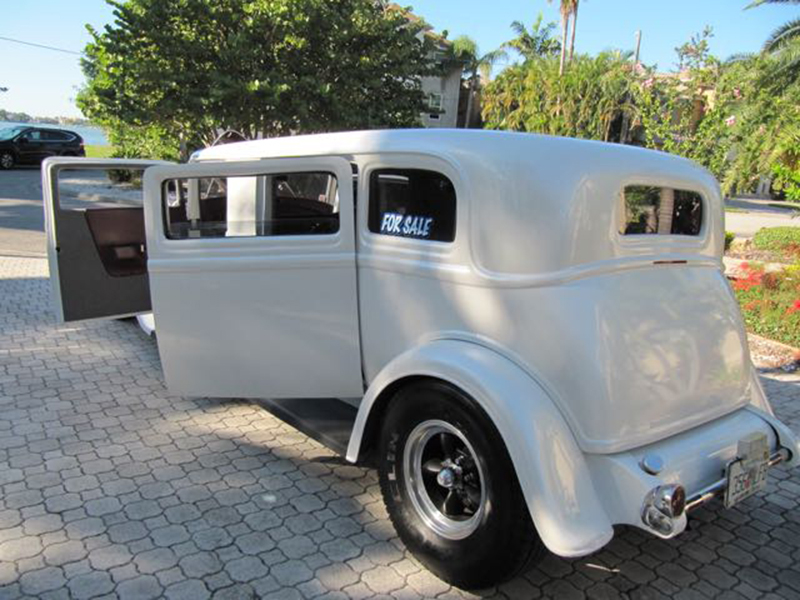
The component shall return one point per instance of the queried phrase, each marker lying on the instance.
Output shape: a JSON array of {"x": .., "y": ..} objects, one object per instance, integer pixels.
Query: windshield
[{"x": 10, "y": 132}]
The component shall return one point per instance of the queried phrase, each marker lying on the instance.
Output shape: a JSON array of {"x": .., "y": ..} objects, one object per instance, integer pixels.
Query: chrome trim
[
  {"x": 718, "y": 487},
  {"x": 448, "y": 527},
  {"x": 658, "y": 510}
]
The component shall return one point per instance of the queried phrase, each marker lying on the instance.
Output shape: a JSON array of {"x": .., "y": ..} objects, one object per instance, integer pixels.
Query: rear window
[
  {"x": 660, "y": 211},
  {"x": 412, "y": 203}
]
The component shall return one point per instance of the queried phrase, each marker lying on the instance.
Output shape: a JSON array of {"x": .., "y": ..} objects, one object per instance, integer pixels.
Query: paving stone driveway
[{"x": 112, "y": 487}]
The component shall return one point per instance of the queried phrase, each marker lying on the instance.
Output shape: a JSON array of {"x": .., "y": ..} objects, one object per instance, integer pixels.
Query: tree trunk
[
  {"x": 470, "y": 94},
  {"x": 564, "y": 35},
  {"x": 666, "y": 209},
  {"x": 574, "y": 27}
]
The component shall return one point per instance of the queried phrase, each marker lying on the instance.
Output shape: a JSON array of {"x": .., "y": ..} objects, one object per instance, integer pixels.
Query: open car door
[
  {"x": 253, "y": 277},
  {"x": 96, "y": 245}
]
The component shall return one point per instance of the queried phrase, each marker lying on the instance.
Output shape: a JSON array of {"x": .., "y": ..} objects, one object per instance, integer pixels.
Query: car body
[
  {"x": 567, "y": 296},
  {"x": 29, "y": 145}
]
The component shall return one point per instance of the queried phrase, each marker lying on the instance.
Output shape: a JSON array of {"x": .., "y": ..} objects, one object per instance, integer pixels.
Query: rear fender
[
  {"x": 550, "y": 466},
  {"x": 759, "y": 404}
]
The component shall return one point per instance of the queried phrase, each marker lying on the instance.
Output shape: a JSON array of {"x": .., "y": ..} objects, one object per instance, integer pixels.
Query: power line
[{"x": 7, "y": 39}]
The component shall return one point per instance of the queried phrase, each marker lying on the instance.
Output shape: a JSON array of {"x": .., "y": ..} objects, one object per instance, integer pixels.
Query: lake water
[{"x": 90, "y": 134}]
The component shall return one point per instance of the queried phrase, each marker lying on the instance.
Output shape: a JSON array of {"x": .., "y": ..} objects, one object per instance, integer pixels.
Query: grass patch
[
  {"x": 770, "y": 302},
  {"x": 734, "y": 209},
  {"x": 96, "y": 151},
  {"x": 782, "y": 242}
]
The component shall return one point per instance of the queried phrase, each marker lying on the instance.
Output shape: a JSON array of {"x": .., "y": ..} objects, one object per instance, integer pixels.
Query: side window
[
  {"x": 250, "y": 206},
  {"x": 57, "y": 136},
  {"x": 660, "y": 211},
  {"x": 412, "y": 203},
  {"x": 34, "y": 135}
]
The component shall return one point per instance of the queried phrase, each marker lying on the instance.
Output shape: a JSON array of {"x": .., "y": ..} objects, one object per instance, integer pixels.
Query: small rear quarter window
[
  {"x": 412, "y": 203},
  {"x": 660, "y": 211}
]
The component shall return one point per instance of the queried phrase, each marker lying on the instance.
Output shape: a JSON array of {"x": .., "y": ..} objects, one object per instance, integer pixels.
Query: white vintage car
[{"x": 531, "y": 337}]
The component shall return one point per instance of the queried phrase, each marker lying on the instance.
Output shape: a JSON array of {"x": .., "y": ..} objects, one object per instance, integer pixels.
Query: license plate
[{"x": 747, "y": 475}]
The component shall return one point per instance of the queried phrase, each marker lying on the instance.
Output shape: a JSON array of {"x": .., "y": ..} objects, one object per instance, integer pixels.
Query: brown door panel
[
  {"x": 119, "y": 236},
  {"x": 89, "y": 289}
]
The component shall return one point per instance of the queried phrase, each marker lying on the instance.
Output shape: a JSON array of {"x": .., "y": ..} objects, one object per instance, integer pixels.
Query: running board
[{"x": 330, "y": 421}]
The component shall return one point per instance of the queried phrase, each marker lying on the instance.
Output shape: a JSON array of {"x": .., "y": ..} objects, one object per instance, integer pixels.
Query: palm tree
[
  {"x": 574, "y": 28},
  {"x": 538, "y": 41},
  {"x": 566, "y": 14},
  {"x": 476, "y": 66},
  {"x": 784, "y": 43}
]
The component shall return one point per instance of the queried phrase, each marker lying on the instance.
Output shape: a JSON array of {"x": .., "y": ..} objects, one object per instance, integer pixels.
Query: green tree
[
  {"x": 538, "y": 41},
  {"x": 686, "y": 112},
  {"x": 695, "y": 54},
  {"x": 589, "y": 100},
  {"x": 763, "y": 128},
  {"x": 724, "y": 117},
  {"x": 476, "y": 66},
  {"x": 188, "y": 68},
  {"x": 783, "y": 46}
]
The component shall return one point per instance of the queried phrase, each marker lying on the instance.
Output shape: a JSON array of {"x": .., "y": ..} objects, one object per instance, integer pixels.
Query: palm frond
[
  {"x": 760, "y": 2},
  {"x": 465, "y": 48},
  {"x": 783, "y": 35},
  {"x": 492, "y": 57},
  {"x": 519, "y": 28},
  {"x": 787, "y": 61},
  {"x": 738, "y": 57},
  {"x": 488, "y": 60},
  {"x": 783, "y": 67}
]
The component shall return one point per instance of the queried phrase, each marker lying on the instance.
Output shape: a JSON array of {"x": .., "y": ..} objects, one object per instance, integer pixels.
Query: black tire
[
  {"x": 7, "y": 159},
  {"x": 504, "y": 540}
]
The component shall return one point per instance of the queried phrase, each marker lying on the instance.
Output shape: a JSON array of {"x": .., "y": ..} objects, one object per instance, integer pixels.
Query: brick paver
[{"x": 110, "y": 485}]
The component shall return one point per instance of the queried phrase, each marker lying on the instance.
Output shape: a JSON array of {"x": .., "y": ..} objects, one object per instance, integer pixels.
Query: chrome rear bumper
[{"x": 717, "y": 488}]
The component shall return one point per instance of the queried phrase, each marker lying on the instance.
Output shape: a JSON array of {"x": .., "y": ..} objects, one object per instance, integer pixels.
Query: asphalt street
[{"x": 21, "y": 213}]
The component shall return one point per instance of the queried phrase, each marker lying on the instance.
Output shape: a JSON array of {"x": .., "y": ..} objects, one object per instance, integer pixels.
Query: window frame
[
  {"x": 166, "y": 225},
  {"x": 28, "y": 136},
  {"x": 304, "y": 245},
  {"x": 650, "y": 239},
  {"x": 375, "y": 248},
  {"x": 415, "y": 240},
  {"x": 438, "y": 105}
]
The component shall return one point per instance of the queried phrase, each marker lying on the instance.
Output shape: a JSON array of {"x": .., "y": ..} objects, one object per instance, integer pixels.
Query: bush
[
  {"x": 729, "y": 237},
  {"x": 783, "y": 242},
  {"x": 770, "y": 302},
  {"x": 590, "y": 100}
]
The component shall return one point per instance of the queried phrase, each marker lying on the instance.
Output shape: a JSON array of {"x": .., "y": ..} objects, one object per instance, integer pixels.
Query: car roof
[{"x": 536, "y": 203}]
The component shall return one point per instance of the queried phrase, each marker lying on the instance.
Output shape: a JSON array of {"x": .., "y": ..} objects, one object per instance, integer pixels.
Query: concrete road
[
  {"x": 759, "y": 214},
  {"x": 21, "y": 213}
]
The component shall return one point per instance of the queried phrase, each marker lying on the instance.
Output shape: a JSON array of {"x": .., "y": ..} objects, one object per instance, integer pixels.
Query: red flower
[
  {"x": 793, "y": 308},
  {"x": 753, "y": 279}
]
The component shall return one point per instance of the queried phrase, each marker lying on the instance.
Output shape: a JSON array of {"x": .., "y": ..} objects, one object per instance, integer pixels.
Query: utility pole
[{"x": 638, "y": 46}]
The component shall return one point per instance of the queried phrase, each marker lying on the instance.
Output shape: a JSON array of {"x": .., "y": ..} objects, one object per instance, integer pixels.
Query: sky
[{"x": 44, "y": 82}]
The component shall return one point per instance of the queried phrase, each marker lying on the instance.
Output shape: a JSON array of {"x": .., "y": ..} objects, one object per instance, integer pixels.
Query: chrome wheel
[
  {"x": 6, "y": 160},
  {"x": 444, "y": 479}
]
